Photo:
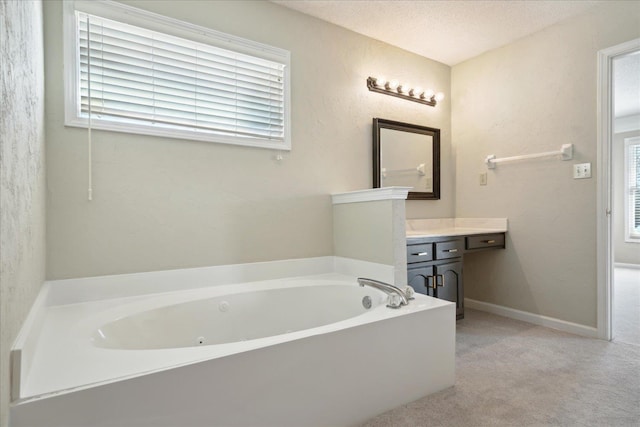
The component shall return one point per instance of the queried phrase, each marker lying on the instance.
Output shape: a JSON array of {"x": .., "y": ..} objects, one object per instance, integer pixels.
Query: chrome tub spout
[{"x": 394, "y": 302}]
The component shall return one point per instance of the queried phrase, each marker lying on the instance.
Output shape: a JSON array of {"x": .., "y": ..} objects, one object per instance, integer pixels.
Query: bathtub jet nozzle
[{"x": 397, "y": 297}]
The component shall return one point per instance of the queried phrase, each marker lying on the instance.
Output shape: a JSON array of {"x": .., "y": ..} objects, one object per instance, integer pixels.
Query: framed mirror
[{"x": 407, "y": 155}]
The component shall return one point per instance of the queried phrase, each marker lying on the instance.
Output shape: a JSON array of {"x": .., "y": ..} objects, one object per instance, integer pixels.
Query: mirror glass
[{"x": 407, "y": 155}]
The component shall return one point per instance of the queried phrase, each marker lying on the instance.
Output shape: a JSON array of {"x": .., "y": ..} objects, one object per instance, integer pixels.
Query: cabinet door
[
  {"x": 421, "y": 280},
  {"x": 449, "y": 285}
]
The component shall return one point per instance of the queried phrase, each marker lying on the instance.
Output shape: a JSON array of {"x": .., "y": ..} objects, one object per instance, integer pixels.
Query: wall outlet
[
  {"x": 582, "y": 170},
  {"x": 483, "y": 178}
]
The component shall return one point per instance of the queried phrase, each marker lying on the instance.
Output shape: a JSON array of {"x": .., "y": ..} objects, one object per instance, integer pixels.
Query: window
[
  {"x": 148, "y": 74},
  {"x": 632, "y": 190}
]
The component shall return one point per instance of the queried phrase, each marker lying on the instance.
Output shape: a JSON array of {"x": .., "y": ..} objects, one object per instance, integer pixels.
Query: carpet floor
[
  {"x": 512, "y": 373},
  {"x": 626, "y": 305}
]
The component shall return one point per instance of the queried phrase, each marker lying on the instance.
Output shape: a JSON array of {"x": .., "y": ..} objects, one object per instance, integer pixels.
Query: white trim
[
  {"x": 604, "y": 275},
  {"x": 156, "y": 22},
  {"x": 385, "y": 193},
  {"x": 536, "y": 319},
  {"x": 626, "y": 265},
  {"x": 627, "y": 123},
  {"x": 142, "y": 18}
]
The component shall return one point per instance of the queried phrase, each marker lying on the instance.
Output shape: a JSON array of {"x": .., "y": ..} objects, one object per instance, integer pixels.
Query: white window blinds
[
  {"x": 136, "y": 76},
  {"x": 633, "y": 188}
]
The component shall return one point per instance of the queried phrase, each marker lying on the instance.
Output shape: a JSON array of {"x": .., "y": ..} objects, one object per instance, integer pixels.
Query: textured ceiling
[
  {"x": 447, "y": 31},
  {"x": 452, "y": 31}
]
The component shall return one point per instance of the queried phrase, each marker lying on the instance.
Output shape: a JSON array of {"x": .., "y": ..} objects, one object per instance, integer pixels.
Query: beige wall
[
  {"x": 22, "y": 173},
  {"x": 364, "y": 231},
  {"x": 623, "y": 252},
  {"x": 373, "y": 231},
  {"x": 165, "y": 203},
  {"x": 532, "y": 96}
]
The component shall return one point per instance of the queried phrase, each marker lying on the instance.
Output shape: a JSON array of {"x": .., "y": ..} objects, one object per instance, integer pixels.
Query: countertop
[{"x": 420, "y": 228}]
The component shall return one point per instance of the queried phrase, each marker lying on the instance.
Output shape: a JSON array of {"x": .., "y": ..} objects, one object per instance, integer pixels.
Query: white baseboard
[
  {"x": 536, "y": 319},
  {"x": 626, "y": 265}
]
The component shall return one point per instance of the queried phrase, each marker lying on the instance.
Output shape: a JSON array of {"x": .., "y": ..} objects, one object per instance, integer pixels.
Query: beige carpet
[
  {"x": 626, "y": 305},
  {"x": 511, "y": 373}
]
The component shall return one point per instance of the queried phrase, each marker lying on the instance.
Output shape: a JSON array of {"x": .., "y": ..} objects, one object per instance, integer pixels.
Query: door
[
  {"x": 604, "y": 183},
  {"x": 449, "y": 285},
  {"x": 421, "y": 279}
]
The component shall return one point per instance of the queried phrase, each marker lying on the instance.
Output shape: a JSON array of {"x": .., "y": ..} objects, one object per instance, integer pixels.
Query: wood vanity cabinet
[
  {"x": 434, "y": 268},
  {"x": 434, "y": 264}
]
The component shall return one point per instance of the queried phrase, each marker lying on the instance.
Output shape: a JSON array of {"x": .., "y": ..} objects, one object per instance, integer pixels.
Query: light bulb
[
  {"x": 428, "y": 94},
  {"x": 439, "y": 96},
  {"x": 380, "y": 81},
  {"x": 404, "y": 88},
  {"x": 392, "y": 85},
  {"x": 416, "y": 92}
]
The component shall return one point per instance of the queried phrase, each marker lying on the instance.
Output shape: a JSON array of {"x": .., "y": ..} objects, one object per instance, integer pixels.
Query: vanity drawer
[
  {"x": 419, "y": 253},
  {"x": 482, "y": 241},
  {"x": 449, "y": 249}
]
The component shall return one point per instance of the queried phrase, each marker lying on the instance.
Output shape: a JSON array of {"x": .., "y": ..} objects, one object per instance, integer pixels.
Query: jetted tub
[
  {"x": 238, "y": 317},
  {"x": 288, "y": 352}
]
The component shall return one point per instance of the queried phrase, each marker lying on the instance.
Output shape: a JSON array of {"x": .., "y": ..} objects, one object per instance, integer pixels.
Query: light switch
[{"x": 582, "y": 170}]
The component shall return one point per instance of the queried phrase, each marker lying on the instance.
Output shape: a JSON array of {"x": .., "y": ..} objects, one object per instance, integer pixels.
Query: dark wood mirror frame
[{"x": 406, "y": 127}]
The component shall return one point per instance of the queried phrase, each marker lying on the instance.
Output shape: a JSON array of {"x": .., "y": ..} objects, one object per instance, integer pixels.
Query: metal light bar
[{"x": 416, "y": 95}]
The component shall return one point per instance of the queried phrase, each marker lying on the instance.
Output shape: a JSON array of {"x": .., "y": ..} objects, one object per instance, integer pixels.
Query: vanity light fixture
[{"x": 404, "y": 91}]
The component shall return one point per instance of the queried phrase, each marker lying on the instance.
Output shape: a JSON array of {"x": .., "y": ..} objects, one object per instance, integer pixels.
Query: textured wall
[
  {"x": 166, "y": 203},
  {"x": 364, "y": 231},
  {"x": 527, "y": 97},
  {"x": 22, "y": 174}
]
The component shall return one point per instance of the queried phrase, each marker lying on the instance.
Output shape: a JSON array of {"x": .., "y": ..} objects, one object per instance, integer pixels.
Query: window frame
[
  {"x": 629, "y": 209},
  {"x": 152, "y": 21}
]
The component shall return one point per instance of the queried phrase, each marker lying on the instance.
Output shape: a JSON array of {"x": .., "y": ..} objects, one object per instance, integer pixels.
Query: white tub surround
[
  {"x": 334, "y": 364},
  {"x": 369, "y": 225},
  {"x": 454, "y": 226}
]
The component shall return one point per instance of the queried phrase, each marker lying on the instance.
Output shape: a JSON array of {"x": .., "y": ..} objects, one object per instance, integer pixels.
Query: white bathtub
[
  {"x": 293, "y": 351},
  {"x": 276, "y": 309}
]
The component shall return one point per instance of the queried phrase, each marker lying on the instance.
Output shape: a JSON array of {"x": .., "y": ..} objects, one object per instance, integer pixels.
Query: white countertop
[{"x": 416, "y": 228}]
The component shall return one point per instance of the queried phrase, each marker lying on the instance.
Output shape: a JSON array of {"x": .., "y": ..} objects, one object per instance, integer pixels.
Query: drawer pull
[
  {"x": 421, "y": 254},
  {"x": 488, "y": 241},
  {"x": 450, "y": 250}
]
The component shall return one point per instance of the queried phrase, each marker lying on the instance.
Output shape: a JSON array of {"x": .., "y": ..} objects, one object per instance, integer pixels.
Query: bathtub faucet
[{"x": 397, "y": 297}]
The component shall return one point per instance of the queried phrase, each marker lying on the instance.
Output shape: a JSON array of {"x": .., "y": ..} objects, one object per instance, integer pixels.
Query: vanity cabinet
[
  {"x": 434, "y": 268},
  {"x": 435, "y": 264},
  {"x": 484, "y": 241}
]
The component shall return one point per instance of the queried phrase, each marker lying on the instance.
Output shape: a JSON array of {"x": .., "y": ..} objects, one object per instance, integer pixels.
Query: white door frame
[{"x": 604, "y": 183}]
